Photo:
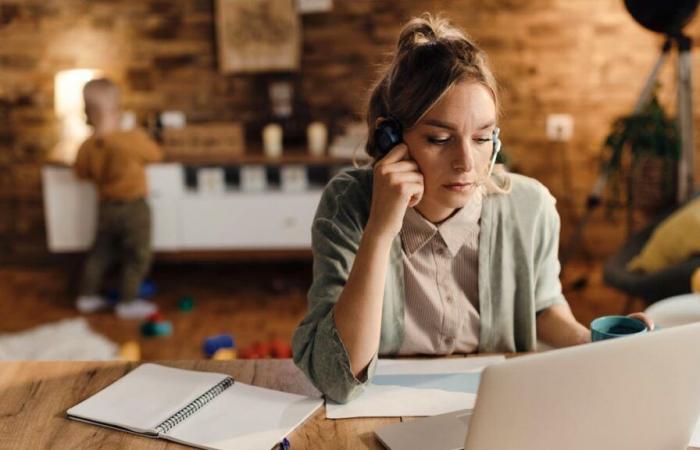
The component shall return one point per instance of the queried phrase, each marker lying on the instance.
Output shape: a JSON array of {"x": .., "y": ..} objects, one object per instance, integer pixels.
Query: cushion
[{"x": 675, "y": 240}]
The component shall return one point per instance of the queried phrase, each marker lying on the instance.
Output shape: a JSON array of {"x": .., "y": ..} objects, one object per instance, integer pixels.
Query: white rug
[{"x": 69, "y": 339}]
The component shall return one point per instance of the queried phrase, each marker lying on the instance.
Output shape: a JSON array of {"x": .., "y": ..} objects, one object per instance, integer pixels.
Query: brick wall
[{"x": 587, "y": 58}]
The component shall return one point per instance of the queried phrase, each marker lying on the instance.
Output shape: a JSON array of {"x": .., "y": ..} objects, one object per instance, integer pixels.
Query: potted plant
[{"x": 641, "y": 160}]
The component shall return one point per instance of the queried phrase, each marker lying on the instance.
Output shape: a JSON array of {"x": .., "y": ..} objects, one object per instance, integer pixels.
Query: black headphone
[{"x": 387, "y": 135}]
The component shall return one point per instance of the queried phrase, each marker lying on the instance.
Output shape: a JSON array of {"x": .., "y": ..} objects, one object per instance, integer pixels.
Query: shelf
[{"x": 254, "y": 155}]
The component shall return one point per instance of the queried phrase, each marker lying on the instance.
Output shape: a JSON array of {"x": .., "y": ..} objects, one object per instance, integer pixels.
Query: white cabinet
[
  {"x": 164, "y": 193},
  {"x": 69, "y": 210},
  {"x": 184, "y": 219},
  {"x": 266, "y": 220}
]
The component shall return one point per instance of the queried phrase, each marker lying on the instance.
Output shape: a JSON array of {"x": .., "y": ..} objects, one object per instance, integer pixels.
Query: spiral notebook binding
[{"x": 194, "y": 406}]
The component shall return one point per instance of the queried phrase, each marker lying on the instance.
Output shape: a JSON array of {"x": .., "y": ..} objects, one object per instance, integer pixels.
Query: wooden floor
[{"x": 251, "y": 301}]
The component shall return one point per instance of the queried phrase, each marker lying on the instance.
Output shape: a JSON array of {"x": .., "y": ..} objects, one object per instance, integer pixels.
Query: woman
[{"x": 428, "y": 252}]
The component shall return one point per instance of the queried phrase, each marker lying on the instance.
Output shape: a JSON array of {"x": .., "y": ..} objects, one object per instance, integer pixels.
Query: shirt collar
[{"x": 417, "y": 231}]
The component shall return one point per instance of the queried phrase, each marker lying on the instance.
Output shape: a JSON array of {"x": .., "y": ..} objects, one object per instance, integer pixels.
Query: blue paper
[{"x": 452, "y": 382}]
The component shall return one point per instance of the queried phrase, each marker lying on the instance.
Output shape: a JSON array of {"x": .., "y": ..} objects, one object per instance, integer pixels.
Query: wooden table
[{"x": 34, "y": 397}]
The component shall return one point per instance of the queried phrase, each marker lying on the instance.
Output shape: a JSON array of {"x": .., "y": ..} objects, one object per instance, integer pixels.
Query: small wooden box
[{"x": 201, "y": 142}]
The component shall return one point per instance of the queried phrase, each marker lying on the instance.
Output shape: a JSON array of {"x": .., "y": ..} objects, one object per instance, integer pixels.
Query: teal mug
[{"x": 608, "y": 327}]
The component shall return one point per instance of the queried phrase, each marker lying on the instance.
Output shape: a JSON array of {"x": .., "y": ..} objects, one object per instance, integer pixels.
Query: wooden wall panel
[{"x": 582, "y": 57}]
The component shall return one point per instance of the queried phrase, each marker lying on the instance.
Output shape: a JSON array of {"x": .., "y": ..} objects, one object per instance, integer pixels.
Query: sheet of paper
[
  {"x": 145, "y": 397},
  {"x": 245, "y": 417},
  {"x": 420, "y": 387},
  {"x": 435, "y": 365}
]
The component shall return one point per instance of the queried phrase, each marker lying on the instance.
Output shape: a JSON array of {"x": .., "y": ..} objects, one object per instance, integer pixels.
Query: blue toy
[
  {"x": 147, "y": 289},
  {"x": 214, "y": 343}
]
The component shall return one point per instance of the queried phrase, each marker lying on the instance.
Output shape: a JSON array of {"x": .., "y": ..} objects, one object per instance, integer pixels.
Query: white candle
[
  {"x": 317, "y": 138},
  {"x": 272, "y": 140}
]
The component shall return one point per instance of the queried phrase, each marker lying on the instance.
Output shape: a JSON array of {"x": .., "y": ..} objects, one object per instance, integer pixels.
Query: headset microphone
[{"x": 496, "y": 149}]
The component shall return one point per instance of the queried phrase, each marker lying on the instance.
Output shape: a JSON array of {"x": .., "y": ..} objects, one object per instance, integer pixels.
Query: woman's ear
[{"x": 379, "y": 120}]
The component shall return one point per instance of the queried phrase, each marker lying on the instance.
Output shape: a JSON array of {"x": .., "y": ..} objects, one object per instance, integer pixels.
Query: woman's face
[{"x": 452, "y": 145}]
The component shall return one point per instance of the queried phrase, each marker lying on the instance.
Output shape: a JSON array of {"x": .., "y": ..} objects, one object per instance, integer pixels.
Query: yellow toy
[
  {"x": 130, "y": 351},
  {"x": 224, "y": 354}
]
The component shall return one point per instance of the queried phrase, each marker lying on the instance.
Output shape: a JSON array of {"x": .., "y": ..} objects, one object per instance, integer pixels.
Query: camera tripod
[{"x": 685, "y": 124}]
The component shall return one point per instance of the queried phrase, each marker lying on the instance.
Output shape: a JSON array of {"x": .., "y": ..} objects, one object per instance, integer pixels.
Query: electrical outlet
[{"x": 560, "y": 127}]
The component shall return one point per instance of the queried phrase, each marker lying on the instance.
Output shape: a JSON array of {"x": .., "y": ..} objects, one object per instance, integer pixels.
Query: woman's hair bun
[
  {"x": 432, "y": 55},
  {"x": 417, "y": 32}
]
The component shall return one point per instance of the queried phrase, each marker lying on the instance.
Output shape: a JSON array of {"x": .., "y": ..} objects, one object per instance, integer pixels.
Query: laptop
[{"x": 639, "y": 392}]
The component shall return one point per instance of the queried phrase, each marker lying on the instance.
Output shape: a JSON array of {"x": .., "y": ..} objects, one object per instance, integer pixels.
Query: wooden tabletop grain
[{"x": 34, "y": 397}]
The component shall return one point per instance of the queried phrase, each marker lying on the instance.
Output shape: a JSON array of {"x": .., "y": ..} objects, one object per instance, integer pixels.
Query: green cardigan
[{"x": 518, "y": 276}]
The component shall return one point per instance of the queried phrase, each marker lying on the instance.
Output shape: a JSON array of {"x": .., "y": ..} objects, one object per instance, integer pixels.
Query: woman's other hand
[{"x": 644, "y": 318}]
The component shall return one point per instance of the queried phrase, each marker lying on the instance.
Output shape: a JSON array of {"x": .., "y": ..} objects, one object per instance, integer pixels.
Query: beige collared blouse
[{"x": 441, "y": 268}]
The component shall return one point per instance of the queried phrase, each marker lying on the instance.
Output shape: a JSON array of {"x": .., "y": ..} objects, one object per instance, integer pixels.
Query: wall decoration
[
  {"x": 272, "y": 140},
  {"x": 317, "y": 138},
  {"x": 258, "y": 36},
  {"x": 314, "y": 6}
]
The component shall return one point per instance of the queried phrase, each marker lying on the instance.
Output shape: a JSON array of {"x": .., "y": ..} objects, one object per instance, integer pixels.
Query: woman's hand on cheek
[
  {"x": 397, "y": 185},
  {"x": 417, "y": 197}
]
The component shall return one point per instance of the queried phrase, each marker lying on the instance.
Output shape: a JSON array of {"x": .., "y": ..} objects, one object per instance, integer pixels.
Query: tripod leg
[
  {"x": 594, "y": 198},
  {"x": 686, "y": 163},
  {"x": 649, "y": 85}
]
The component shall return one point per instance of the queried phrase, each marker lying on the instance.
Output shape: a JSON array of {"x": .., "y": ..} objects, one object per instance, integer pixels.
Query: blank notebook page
[
  {"x": 145, "y": 397},
  {"x": 245, "y": 417}
]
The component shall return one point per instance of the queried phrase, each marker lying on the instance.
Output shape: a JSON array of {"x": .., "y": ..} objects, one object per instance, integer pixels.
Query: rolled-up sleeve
[
  {"x": 548, "y": 290},
  {"x": 318, "y": 350}
]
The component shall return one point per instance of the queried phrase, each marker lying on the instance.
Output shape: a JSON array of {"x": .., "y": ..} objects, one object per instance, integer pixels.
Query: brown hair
[{"x": 431, "y": 56}]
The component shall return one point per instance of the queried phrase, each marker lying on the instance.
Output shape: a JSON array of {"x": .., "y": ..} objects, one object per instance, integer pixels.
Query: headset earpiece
[
  {"x": 387, "y": 135},
  {"x": 496, "y": 148}
]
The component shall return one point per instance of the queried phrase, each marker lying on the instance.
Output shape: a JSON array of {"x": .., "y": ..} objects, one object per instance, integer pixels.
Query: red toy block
[
  {"x": 263, "y": 349},
  {"x": 280, "y": 349},
  {"x": 248, "y": 353},
  {"x": 156, "y": 317}
]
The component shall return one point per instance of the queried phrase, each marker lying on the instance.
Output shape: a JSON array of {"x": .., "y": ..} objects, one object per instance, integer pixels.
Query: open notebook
[{"x": 202, "y": 409}]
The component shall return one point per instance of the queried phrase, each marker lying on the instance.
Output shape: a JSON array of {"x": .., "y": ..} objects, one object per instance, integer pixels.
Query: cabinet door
[
  {"x": 165, "y": 187},
  {"x": 70, "y": 209},
  {"x": 165, "y": 180},
  {"x": 251, "y": 221},
  {"x": 291, "y": 219},
  {"x": 165, "y": 226}
]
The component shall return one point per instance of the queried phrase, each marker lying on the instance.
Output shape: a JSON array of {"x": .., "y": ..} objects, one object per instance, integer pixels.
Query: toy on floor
[
  {"x": 213, "y": 344},
  {"x": 185, "y": 304},
  {"x": 147, "y": 289},
  {"x": 156, "y": 325},
  {"x": 130, "y": 351},
  {"x": 224, "y": 354},
  {"x": 695, "y": 281},
  {"x": 275, "y": 348}
]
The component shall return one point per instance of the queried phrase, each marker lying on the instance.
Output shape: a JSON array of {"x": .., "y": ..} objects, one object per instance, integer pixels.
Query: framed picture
[{"x": 258, "y": 36}]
